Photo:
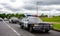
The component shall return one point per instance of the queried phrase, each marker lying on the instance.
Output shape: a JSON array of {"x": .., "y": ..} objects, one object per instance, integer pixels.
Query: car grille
[{"x": 44, "y": 25}]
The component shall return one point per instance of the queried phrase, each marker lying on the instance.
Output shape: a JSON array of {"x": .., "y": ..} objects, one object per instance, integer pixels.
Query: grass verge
[
  {"x": 53, "y": 19},
  {"x": 56, "y": 26}
]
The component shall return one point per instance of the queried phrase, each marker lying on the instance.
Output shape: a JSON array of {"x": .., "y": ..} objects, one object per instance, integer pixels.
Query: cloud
[
  {"x": 30, "y": 6},
  {"x": 13, "y": 0},
  {"x": 45, "y": 2},
  {"x": 43, "y": 5},
  {"x": 14, "y": 7},
  {"x": 48, "y": 2},
  {"x": 58, "y": 9},
  {"x": 33, "y": 4}
]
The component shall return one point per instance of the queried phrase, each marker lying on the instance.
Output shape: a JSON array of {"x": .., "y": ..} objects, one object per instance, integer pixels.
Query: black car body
[
  {"x": 1, "y": 19},
  {"x": 14, "y": 20},
  {"x": 5, "y": 19},
  {"x": 35, "y": 23}
]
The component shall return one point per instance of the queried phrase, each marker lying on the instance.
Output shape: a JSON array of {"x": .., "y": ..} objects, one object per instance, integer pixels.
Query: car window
[
  {"x": 35, "y": 20},
  {"x": 23, "y": 19}
]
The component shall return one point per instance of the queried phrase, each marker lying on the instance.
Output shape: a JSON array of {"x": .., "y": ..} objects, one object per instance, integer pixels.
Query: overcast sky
[{"x": 30, "y": 6}]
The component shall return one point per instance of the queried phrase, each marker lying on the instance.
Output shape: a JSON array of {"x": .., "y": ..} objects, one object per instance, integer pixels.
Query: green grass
[
  {"x": 56, "y": 26},
  {"x": 53, "y": 19}
]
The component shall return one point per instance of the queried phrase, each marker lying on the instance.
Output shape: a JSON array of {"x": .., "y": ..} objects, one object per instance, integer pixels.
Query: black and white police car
[{"x": 35, "y": 23}]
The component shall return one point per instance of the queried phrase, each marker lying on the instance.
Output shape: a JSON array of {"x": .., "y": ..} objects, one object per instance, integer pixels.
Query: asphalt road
[{"x": 10, "y": 29}]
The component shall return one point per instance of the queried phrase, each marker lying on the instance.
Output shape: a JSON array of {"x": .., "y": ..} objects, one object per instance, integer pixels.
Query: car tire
[
  {"x": 31, "y": 29},
  {"x": 12, "y": 21},
  {"x": 21, "y": 26},
  {"x": 46, "y": 31},
  {"x": 24, "y": 28}
]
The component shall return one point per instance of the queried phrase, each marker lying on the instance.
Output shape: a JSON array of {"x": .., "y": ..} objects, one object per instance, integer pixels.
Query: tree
[
  {"x": 17, "y": 15},
  {"x": 3, "y": 15},
  {"x": 42, "y": 15},
  {"x": 21, "y": 15}
]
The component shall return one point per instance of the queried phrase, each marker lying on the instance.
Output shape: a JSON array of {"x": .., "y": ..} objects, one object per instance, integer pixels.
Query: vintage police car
[
  {"x": 35, "y": 23},
  {"x": 13, "y": 20}
]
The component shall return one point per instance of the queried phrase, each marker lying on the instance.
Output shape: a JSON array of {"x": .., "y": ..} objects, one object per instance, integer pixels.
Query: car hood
[
  {"x": 40, "y": 22},
  {"x": 34, "y": 22}
]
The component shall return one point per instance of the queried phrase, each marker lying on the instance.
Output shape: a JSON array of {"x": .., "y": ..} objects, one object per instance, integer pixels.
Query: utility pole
[{"x": 37, "y": 8}]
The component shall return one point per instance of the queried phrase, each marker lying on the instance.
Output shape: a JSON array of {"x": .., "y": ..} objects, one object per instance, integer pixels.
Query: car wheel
[
  {"x": 24, "y": 28},
  {"x": 31, "y": 29},
  {"x": 12, "y": 21},
  {"x": 46, "y": 31},
  {"x": 21, "y": 26}
]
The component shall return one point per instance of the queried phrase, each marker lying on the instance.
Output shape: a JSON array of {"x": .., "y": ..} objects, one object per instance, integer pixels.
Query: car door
[{"x": 26, "y": 22}]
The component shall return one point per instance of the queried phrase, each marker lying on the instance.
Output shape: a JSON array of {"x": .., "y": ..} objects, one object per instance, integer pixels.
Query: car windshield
[{"x": 35, "y": 19}]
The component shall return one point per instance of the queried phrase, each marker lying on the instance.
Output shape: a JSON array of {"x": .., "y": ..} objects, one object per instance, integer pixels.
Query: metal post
[{"x": 37, "y": 8}]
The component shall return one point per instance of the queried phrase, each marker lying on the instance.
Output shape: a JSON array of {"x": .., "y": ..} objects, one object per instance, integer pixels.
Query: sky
[{"x": 49, "y": 7}]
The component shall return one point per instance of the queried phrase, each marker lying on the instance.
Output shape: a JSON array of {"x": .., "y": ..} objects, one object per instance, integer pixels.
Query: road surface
[{"x": 10, "y": 29}]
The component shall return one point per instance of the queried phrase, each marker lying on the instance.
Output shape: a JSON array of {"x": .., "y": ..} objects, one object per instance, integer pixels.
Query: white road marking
[{"x": 12, "y": 28}]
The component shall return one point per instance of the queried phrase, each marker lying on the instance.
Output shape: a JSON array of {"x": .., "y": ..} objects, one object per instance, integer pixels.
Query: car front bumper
[{"x": 42, "y": 28}]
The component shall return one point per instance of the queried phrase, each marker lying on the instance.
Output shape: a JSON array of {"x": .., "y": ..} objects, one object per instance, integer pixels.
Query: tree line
[
  {"x": 19, "y": 15},
  {"x": 11, "y": 15}
]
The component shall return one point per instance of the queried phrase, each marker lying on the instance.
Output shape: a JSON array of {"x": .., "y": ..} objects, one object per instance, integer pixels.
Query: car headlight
[{"x": 36, "y": 25}]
